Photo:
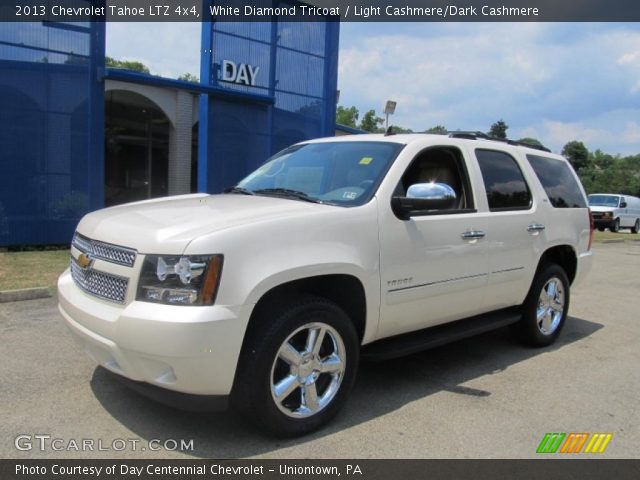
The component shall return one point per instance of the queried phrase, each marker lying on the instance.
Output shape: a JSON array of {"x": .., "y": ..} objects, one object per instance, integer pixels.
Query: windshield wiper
[
  {"x": 286, "y": 192},
  {"x": 241, "y": 190}
]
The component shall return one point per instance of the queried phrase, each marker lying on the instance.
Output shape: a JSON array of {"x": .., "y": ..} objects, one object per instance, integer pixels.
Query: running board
[{"x": 413, "y": 342}]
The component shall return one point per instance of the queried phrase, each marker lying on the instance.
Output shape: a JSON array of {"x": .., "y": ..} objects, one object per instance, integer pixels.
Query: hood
[
  {"x": 167, "y": 225},
  {"x": 602, "y": 209}
]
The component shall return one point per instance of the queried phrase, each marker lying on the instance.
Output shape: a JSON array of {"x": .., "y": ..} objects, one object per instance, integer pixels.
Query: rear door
[{"x": 515, "y": 227}]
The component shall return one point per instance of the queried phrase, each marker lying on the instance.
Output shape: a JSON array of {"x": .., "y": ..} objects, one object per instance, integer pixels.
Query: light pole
[{"x": 389, "y": 109}]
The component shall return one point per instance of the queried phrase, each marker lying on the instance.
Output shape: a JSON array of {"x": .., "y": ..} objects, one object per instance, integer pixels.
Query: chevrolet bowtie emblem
[{"x": 84, "y": 260}]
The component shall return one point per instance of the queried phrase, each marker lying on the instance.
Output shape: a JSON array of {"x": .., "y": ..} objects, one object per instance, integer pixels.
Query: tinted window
[
  {"x": 558, "y": 181},
  {"x": 503, "y": 181},
  {"x": 603, "y": 200}
]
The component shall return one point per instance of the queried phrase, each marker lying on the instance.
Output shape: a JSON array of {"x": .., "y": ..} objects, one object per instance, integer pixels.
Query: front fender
[{"x": 369, "y": 280}]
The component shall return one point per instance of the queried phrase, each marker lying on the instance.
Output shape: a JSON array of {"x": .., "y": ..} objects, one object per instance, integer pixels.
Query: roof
[{"x": 453, "y": 138}]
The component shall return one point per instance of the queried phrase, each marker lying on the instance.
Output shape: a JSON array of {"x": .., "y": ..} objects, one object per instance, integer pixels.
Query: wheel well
[
  {"x": 346, "y": 291},
  {"x": 563, "y": 255}
]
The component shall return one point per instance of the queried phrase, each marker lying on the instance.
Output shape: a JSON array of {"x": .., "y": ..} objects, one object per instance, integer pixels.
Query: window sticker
[
  {"x": 349, "y": 195},
  {"x": 366, "y": 160}
]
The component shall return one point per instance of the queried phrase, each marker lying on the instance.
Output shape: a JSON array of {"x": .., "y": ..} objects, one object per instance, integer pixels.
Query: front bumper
[
  {"x": 603, "y": 222},
  {"x": 192, "y": 350}
]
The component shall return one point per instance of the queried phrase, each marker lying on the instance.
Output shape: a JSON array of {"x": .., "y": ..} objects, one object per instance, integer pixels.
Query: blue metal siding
[
  {"x": 298, "y": 67},
  {"x": 50, "y": 129},
  {"x": 52, "y": 114}
]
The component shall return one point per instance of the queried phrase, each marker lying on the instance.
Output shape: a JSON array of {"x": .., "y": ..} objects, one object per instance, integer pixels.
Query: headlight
[
  {"x": 180, "y": 280},
  {"x": 607, "y": 214}
]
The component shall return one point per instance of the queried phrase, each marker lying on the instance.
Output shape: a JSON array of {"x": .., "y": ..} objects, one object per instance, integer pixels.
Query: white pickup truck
[{"x": 368, "y": 246}]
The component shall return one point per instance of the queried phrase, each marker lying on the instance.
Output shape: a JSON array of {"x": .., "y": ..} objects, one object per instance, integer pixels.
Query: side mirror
[
  {"x": 423, "y": 197},
  {"x": 623, "y": 204}
]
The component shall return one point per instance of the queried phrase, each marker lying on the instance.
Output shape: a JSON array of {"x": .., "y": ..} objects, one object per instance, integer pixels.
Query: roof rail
[{"x": 483, "y": 136}]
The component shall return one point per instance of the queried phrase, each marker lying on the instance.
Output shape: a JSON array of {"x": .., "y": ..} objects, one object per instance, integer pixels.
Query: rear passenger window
[
  {"x": 503, "y": 181},
  {"x": 558, "y": 181}
]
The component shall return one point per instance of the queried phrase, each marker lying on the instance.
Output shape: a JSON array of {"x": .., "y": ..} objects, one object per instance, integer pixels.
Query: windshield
[
  {"x": 339, "y": 173},
  {"x": 603, "y": 200}
]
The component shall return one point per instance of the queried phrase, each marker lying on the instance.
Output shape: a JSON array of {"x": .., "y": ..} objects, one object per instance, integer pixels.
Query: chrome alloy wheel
[
  {"x": 308, "y": 370},
  {"x": 551, "y": 304}
]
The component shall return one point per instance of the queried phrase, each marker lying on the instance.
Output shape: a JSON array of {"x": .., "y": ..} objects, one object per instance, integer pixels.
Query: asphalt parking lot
[{"x": 485, "y": 397}]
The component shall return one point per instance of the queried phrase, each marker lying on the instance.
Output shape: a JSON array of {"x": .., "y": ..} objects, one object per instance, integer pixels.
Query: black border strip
[{"x": 535, "y": 469}]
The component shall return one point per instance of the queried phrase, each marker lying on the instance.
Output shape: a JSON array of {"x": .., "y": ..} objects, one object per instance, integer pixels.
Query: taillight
[{"x": 592, "y": 228}]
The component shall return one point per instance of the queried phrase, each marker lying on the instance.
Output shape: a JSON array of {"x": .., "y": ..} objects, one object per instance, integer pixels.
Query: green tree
[
  {"x": 531, "y": 141},
  {"x": 576, "y": 153},
  {"x": 606, "y": 173},
  {"x": 126, "y": 65},
  {"x": 371, "y": 123},
  {"x": 498, "y": 129},
  {"x": 189, "y": 77},
  {"x": 439, "y": 129},
  {"x": 397, "y": 129},
  {"x": 600, "y": 160},
  {"x": 347, "y": 116}
]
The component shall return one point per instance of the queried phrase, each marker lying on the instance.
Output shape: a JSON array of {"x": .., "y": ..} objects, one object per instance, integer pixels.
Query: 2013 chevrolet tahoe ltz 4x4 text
[{"x": 368, "y": 246}]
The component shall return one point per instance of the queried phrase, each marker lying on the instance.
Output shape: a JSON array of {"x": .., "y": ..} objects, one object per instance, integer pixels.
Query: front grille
[
  {"x": 105, "y": 251},
  {"x": 101, "y": 284}
]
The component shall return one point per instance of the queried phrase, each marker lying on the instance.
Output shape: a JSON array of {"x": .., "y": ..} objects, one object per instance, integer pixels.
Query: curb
[
  {"x": 24, "y": 294},
  {"x": 614, "y": 240}
]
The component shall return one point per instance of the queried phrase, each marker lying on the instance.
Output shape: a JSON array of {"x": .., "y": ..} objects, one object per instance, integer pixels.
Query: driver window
[{"x": 439, "y": 165}]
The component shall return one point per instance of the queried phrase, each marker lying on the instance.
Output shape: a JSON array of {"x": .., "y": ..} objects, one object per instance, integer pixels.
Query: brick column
[{"x": 180, "y": 145}]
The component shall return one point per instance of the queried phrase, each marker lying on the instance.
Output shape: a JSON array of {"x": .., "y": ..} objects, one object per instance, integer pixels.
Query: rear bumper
[{"x": 191, "y": 350}]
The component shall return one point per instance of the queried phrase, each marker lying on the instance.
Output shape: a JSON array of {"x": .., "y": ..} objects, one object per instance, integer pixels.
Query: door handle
[
  {"x": 535, "y": 228},
  {"x": 472, "y": 235}
]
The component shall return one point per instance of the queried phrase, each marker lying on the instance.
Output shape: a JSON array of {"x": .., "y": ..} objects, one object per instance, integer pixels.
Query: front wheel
[
  {"x": 615, "y": 227},
  {"x": 297, "y": 367},
  {"x": 544, "y": 311}
]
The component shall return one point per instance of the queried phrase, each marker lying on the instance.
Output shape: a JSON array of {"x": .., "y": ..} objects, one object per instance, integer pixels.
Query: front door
[{"x": 435, "y": 264}]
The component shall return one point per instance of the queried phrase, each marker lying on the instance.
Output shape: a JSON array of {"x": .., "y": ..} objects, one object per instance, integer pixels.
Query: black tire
[
  {"x": 542, "y": 321},
  {"x": 615, "y": 227},
  {"x": 263, "y": 367},
  {"x": 601, "y": 229},
  {"x": 636, "y": 226}
]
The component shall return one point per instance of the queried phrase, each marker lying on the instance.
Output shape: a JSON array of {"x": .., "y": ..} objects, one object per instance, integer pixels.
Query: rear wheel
[
  {"x": 615, "y": 226},
  {"x": 297, "y": 367},
  {"x": 636, "y": 226},
  {"x": 544, "y": 311}
]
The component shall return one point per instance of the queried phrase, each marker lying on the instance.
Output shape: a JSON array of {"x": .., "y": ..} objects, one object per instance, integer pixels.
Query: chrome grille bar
[
  {"x": 101, "y": 284},
  {"x": 105, "y": 251}
]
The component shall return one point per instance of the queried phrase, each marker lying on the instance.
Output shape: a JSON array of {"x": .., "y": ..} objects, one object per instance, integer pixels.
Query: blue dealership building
[{"x": 76, "y": 136}]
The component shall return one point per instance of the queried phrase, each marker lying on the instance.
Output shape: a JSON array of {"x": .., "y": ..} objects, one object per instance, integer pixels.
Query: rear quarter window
[{"x": 558, "y": 182}]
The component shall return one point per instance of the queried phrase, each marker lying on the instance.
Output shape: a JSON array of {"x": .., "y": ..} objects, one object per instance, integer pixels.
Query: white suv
[{"x": 368, "y": 246}]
